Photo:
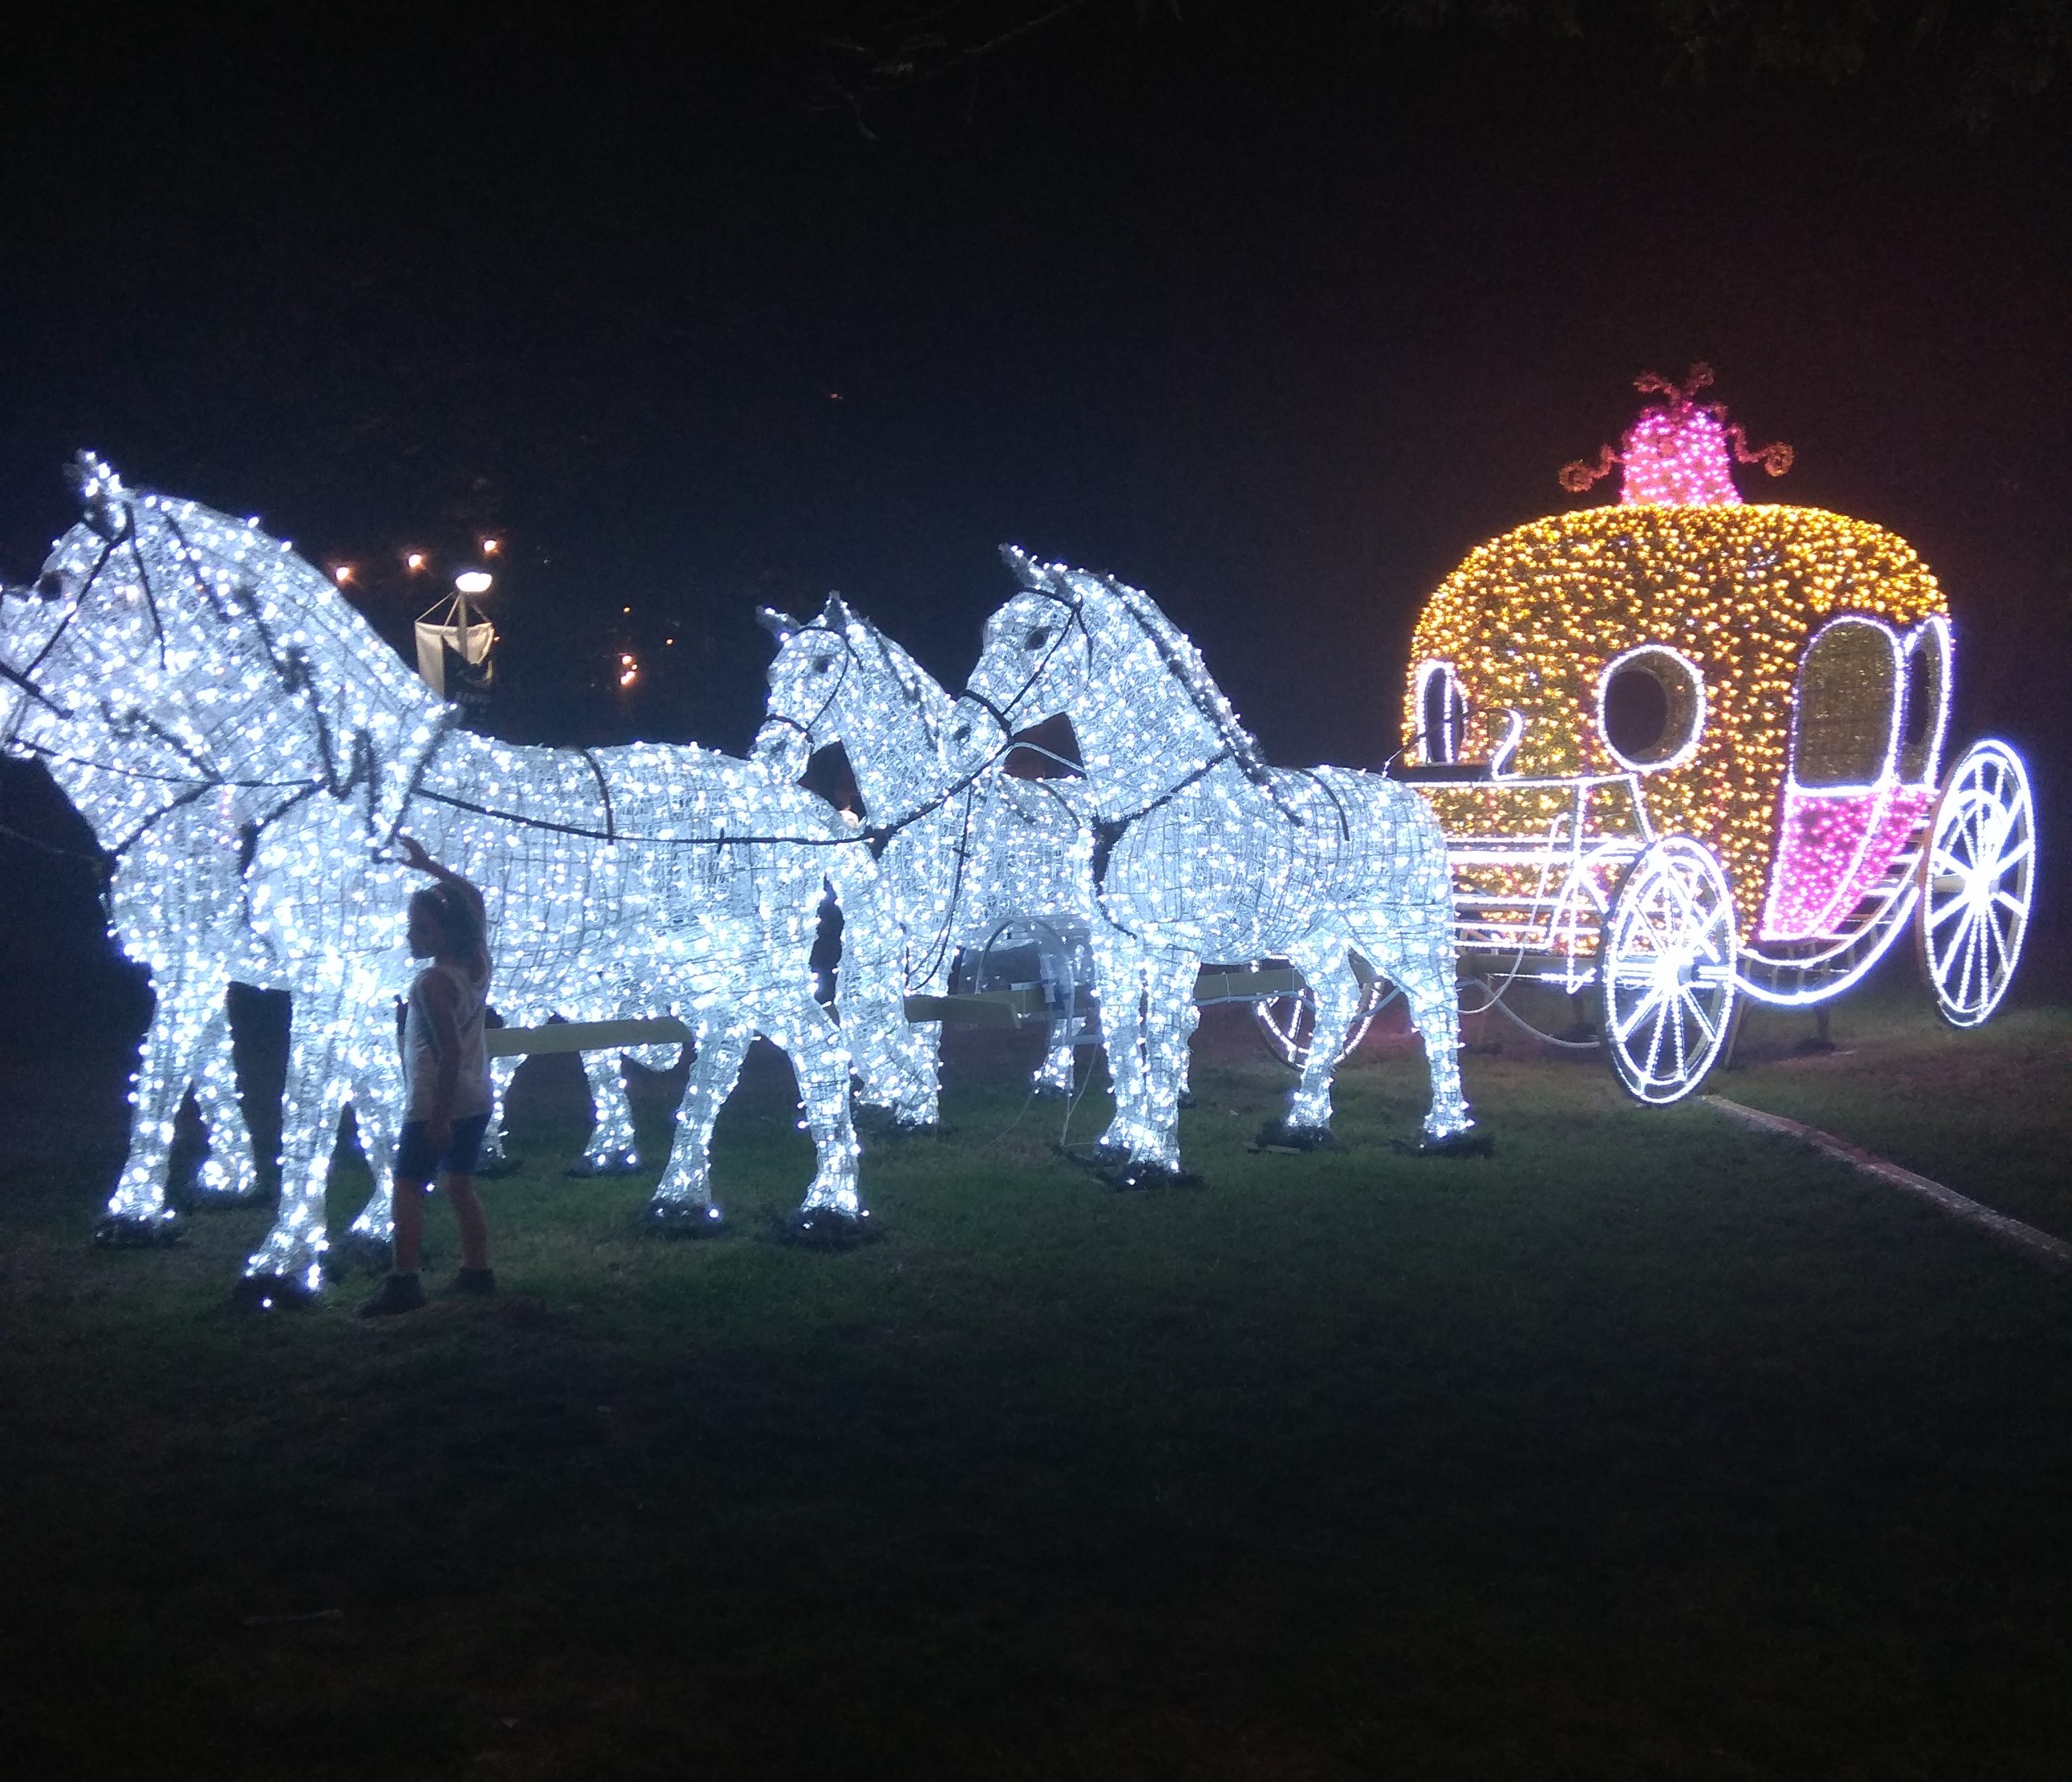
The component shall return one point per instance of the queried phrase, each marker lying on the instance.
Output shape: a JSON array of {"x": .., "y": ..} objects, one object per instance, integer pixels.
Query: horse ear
[
  {"x": 780, "y": 625},
  {"x": 100, "y": 491},
  {"x": 1021, "y": 565}
]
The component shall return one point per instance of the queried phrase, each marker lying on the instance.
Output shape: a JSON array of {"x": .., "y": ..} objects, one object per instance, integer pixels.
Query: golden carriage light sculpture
[{"x": 1685, "y": 748}]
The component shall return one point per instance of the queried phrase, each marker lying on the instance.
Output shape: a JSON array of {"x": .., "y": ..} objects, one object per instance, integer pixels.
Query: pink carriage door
[{"x": 1866, "y": 731}]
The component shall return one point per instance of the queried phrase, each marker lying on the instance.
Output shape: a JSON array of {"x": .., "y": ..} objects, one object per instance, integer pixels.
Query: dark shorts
[{"x": 416, "y": 1160}]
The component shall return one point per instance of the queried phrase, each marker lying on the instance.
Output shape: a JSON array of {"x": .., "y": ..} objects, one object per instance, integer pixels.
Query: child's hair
[{"x": 457, "y": 927}]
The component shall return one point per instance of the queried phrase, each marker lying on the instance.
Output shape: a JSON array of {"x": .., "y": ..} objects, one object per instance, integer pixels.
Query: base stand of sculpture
[
  {"x": 825, "y": 1228},
  {"x": 138, "y": 1231},
  {"x": 689, "y": 1219},
  {"x": 1115, "y": 1166},
  {"x": 1293, "y": 1140},
  {"x": 1474, "y": 1143}
]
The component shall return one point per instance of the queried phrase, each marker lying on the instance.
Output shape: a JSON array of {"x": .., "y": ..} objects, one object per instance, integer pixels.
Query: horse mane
[
  {"x": 922, "y": 691},
  {"x": 230, "y": 587},
  {"x": 1175, "y": 648}
]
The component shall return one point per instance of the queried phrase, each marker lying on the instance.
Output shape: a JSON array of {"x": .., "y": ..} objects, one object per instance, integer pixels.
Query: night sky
[{"x": 1275, "y": 317}]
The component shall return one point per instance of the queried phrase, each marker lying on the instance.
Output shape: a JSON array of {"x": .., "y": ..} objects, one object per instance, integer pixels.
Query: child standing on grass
[{"x": 446, "y": 1073}]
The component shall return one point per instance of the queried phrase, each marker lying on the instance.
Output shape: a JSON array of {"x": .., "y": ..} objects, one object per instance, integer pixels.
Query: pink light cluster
[
  {"x": 1678, "y": 455},
  {"x": 1835, "y": 846}
]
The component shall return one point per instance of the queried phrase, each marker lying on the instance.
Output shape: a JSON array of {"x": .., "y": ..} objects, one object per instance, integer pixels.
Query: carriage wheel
[
  {"x": 1287, "y": 1024},
  {"x": 1977, "y": 875},
  {"x": 1667, "y": 967}
]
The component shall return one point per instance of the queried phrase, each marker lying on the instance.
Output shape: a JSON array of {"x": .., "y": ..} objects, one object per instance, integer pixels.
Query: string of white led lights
[
  {"x": 242, "y": 662},
  {"x": 963, "y": 855},
  {"x": 1203, "y": 852}
]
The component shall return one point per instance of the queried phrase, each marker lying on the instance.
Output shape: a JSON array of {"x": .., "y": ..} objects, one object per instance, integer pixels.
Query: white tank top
[{"x": 420, "y": 1047}]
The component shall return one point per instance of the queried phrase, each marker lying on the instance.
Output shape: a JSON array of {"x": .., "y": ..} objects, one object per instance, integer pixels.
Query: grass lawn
[{"x": 1650, "y": 1447}]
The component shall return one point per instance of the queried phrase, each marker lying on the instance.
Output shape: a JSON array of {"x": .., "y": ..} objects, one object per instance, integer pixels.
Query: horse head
[
  {"x": 1035, "y": 662},
  {"x": 802, "y": 712}
]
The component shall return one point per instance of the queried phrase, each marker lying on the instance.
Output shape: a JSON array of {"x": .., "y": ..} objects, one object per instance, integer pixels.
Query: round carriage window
[{"x": 1652, "y": 707}]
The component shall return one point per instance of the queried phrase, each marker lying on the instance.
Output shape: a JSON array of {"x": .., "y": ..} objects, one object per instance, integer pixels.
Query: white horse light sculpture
[
  {"x": 1205, "y": 853},
  {"x": 960, "y": 854},
  {"x": 176, "y": 906},
  {"x": 695, "y": 877}
]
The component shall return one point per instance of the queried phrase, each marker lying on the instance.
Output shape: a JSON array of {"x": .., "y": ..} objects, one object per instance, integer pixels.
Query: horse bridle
[{"x": 834, "y": 692}]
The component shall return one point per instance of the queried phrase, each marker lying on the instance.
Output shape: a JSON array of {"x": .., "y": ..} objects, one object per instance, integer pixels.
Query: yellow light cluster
[{"x": 1530, "y": 621}]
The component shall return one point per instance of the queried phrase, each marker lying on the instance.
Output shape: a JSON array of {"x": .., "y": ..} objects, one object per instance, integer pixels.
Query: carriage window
[
  {"x": 1843, "y": 721},
  {"x": 1921, "y": 723},
  {"x": 1442, "y": 714},
  {"x": 1652, "y": 707}
]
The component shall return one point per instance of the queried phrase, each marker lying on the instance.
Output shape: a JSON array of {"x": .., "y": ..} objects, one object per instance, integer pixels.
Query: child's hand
[{"x": 413, "y": 853}]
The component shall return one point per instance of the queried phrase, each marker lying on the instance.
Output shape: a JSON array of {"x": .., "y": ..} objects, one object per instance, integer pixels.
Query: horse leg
[
  {"x": 377, "y": 1102},
  {"x": 1054, "y": 1075},
  {"x": 230, "y": 1173},
  {"x": 1170, "y": 1018},
  {"x": 137, "y": 1212},
  {"x": 495, "y": 1160},
  {"x": 897, "y": 1063},
  {"x": 611, "y": 1150},
  {"x": 682, "y": 1205},
  {"x": 820, "y": 1063},
  {"x": 1326, "y": 965},
  {"x": 1147, "y": 1055},
  {"x": 1415, "y": 949},
  {"x": 1119, "y": 986},
  {"x": 289, "y": 1263},
  {"x": 1192, "y": 1017}
]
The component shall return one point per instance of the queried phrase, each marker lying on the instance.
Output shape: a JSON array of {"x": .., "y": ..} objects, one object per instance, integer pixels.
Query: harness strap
[{"x": 1108, "y": 830}]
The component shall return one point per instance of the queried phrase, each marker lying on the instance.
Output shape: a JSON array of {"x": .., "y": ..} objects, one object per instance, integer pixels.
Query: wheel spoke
[
  {"x": 1623, "y": 1031},
  {"x": 1997, "y": 961},
  {"x": 1938, "y": 915},
  {"x": 1655, "y": 1044},
  {"x": 1698, "y": 1015},
  {"x": 2013, "y": 857},
  {"x": 1974, "y": 944}
]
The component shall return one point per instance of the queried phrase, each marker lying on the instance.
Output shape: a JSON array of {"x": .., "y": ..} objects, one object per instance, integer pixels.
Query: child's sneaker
[
  {"x": 398, "y": 1293},
  {"x": 477, "y": 1281}
]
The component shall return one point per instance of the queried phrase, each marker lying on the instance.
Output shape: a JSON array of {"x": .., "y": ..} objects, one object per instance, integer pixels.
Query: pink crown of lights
[{"x": 1679, "y": 453}]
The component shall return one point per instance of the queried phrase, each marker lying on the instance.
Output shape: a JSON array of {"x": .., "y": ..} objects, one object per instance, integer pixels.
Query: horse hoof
[
  {"x": 873, "y": 1121},
  {"x": 357, "y": 1250},
  {"x": 257, "y": 1293},
  {"x": 611, "y": 1163},
  {"x": 683, "y": 1219},
  {"x": 908, "y": 1129},
  {"x": 1131, "y": 1177},
  {"x": 824, "y": 1228},
  {"x": 215, "y": 1188},
  {"x": 137, "y": 1231},
  {"x": 1474, "y": 1143},
  {"x": 1278, "y": 1136}
]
